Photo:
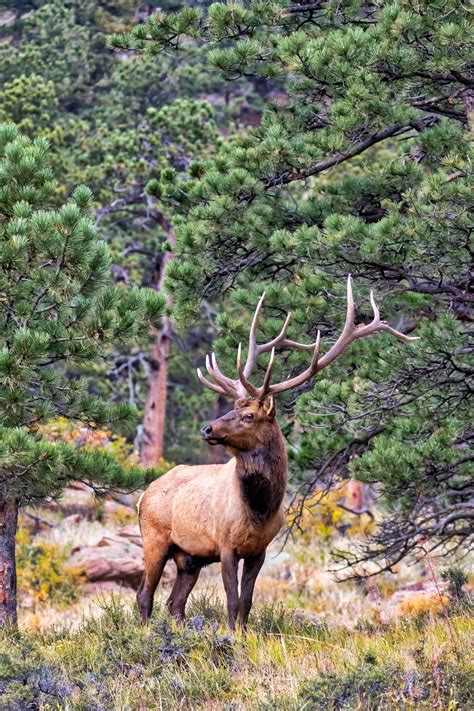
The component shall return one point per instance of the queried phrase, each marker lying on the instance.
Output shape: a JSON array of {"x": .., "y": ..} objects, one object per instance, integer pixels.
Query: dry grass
[{"x": 312, "y": 643}]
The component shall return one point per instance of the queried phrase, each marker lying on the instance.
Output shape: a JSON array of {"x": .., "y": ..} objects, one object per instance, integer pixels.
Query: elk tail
[{"x": 138, "y": 505}]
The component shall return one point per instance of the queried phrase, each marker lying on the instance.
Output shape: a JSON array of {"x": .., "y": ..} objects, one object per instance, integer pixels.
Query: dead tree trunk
[
  {"x": 8, "y": 523},
  {"x": 155, "y": 406},
  {"x": 469, "y": 106},
  {"x": 154, "y": 420}
]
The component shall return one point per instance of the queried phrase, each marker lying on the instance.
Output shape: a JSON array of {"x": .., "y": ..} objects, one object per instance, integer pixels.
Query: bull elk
[{"x": 225, "y": 512}]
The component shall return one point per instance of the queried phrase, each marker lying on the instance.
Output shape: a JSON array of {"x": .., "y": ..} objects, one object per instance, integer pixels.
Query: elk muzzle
[{"x": 209, "y": 436}]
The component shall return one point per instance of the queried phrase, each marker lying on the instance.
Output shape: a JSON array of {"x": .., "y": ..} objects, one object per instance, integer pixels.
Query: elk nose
[{"x": 206, "y": 431}]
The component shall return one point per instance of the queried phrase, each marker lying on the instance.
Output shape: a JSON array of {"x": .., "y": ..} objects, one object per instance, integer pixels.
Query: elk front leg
[
  {"x": 251, "y": 569},
  {"x": 229, "y": 564}
]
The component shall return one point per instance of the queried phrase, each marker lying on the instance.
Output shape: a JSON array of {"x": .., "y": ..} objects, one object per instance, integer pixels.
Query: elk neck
[{"x": 262, "y": 476}]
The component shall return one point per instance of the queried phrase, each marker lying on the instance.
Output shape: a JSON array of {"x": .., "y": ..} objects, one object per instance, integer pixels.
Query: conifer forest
[{"x": 236, "y": 466}]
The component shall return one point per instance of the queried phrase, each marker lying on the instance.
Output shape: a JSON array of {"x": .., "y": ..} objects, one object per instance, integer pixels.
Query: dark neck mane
[{"x": 262, "y": 476}]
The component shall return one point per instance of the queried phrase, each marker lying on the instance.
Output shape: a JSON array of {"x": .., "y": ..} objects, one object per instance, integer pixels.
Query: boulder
[
  {"x": 132, "y": 534},
  {"x": 113, "y": 559},
  {"x": 113, "y": 508},
  {"x": 125, "y": 570}
]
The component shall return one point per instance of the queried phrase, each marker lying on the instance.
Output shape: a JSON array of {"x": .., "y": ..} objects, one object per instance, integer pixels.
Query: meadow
[{"x": 401, "y": 641}]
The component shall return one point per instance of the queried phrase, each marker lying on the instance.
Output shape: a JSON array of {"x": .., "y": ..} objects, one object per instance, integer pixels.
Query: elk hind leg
[
  {"x": 187, "y": 575},
  {"x": 250, "y": 572},
  {"x": 182, "y": 588},
  {"x": 155, "y": 560}
]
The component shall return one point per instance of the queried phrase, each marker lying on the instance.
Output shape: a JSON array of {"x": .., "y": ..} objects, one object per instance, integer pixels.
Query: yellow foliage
[
  {"x": 41, "y": 572},
  {"x": 324, "y": 517},
  {"x": 81, "y": 435},
  {"x": 419, "y": 604}
]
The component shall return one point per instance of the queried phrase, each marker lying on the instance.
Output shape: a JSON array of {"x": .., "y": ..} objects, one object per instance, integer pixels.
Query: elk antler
[{"x": 241, "y": 386}]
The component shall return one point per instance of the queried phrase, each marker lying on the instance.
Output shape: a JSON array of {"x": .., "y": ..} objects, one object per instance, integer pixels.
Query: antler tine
[
  {"x": 251, "y": 389},
  {"x": 350, "y": 312},
  {"x": 253, "y": 348},
  {"x": 375, "y": 308},
  {"x": 351, "y": 332},
  {"x": 382, "y": 326},
  {"x": 268, "y": 376},
  {"x": 302, "y": 377},
  {"x": 223, "y": 384},
  {"x": 212, "y": 386},
  {"x": 286, "y": 343},
  {"x": 279, "y": 340},
  {"x": 401, "y": 336},
  {"x": 217, "y": 374}
]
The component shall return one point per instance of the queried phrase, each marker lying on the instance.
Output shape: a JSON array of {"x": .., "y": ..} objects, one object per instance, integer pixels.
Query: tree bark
[
  {"x": 155, "y": 407},
  {"x": 154, "y": 420},
  {"x": 354, "y": 495},
  {"x": 8, "y": 523},
  {"x": 469, "y": 106}
]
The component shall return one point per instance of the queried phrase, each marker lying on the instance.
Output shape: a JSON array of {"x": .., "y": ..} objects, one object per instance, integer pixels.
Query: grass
[
  {"x": 312, "y": 643},
  {"x": 286, "y": 660}
]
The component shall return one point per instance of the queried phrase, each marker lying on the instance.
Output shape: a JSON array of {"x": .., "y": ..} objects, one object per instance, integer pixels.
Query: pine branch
[{"x": 394, "y": 129}]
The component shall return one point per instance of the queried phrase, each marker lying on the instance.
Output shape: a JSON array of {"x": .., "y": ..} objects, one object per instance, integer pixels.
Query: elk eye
[{"x": 248, "y": 417}]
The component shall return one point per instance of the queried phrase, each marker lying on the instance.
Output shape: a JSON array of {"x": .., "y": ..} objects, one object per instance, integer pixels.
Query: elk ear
[{"x": 269, "y": 407}]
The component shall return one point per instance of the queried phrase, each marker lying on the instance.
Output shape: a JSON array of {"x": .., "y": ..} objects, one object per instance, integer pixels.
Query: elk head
[
  {"x": 254, "y": 408},
  {"x": 245, "y": 427}
]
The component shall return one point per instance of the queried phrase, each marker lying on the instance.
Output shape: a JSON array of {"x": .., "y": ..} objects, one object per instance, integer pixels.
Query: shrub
[
  {"x": 456, "y": 578},
  {"x": 42, "y": 574}
]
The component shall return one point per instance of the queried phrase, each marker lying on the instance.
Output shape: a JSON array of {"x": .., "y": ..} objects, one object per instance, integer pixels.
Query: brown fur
[{"x": 218, "y": 512}]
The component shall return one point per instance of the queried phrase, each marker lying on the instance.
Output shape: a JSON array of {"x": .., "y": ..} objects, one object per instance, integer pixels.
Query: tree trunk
[
  {"x": 354, "y": 495},
  {"x": 8, "y": 523},
  {"x": 469, "y": 106},
  {"x": 155, "y": 406},
  {"x": 154, "y": 420}
]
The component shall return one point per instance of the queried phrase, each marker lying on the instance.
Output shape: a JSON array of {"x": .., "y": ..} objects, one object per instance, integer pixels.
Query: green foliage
[
  {"x": 59, "y": 310},
  {"x": 363, "y": 168},
  {"x": 118, "y": 123},
  {"x": 456, "y": 579},
  {"x": 360, "y": 164}
]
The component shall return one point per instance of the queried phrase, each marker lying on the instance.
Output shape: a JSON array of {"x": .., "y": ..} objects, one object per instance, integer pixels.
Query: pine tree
[
  {"x": 114, "y": 130},
  {"x": 58, "y": 310},
  {"x": 361, "y": 166}
]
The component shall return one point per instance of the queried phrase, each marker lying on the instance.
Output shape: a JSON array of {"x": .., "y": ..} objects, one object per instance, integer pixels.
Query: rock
[
  {"x": 113, "y": 508},
  {"x": 80, "y": 486},
  {"x": 36, "y": 524},
  {"x": 114, "y": 559},
  {"x": 111, "y": 539},
  {"x": 72, "y": 519},
  {"x": 121, "y": 562},
  {"x": 125, "y": 500},
  {"x": 78, "y": 499},
  {"x": 132, "y": 533},
  {"x": 127, "y": 570}
]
